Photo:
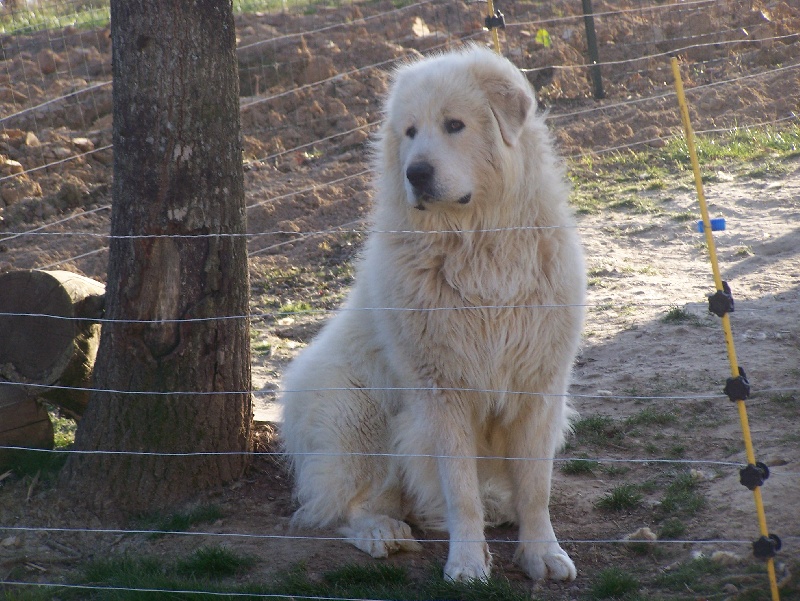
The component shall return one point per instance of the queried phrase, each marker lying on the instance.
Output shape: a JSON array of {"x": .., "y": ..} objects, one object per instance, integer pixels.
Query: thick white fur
[{"x": 441, "y": 325}]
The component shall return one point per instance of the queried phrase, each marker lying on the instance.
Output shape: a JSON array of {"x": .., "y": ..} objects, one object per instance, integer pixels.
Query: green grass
[
  {"x": 214, "y": 563},
  {"x": 579, "y": 467},
  {"x": 677, "y": 315},
  {"x": 672, "y": 529},
  {"x": 625, "y": 181},
  {"x": 613, "y": 583},
  {"x": 621, "y": 498},
  {"x": 261, "y": 348},
  {"x": 96, "y": 13},
  {"x": 55, "y": 16},
  {"x": 214, "y": 571},
  {"x": 695, "y": 571},
  {"x": 597, "y": 429},
  {"x": 650, "y": 416},
  {"x": 295, "y": 307},
  {"x": 63, "y": 430},
  {"x": 786, "y": 402},
  {"x": 682, "y": 496},
  {"x": 738, "y": 146},
  {"x": 180, "y": 521}
]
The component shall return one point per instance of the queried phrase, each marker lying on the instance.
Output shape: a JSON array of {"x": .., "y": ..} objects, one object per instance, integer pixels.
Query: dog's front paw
[
  {"x": 552, "y": 563},
  {"x": 380, "y": 535},
  {"x": 468, "y": 562}
]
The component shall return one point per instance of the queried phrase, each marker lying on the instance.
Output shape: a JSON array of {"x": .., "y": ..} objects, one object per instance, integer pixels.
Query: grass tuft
[
  {"x": 597, "y": 429},
  {"x": 651, "y": 417},
  {"x": 579, "y": 467},
  {"x": 677, "y": 315},
  {"x": 180, "y": 521},
  {"x": 672, "y": 529},
  {"x": 214, "y": 563},
  {"x": 682, "y": 496},
  {"x": 621, "y": 498},
  {"x": 613, "y": 583}
]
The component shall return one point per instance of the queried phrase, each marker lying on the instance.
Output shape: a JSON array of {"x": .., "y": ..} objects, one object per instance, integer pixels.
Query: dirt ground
[{"x": 309, "y": 105}]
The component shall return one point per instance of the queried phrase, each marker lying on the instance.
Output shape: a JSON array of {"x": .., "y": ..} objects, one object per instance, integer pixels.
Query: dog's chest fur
[{"x": 472, "y": 309}]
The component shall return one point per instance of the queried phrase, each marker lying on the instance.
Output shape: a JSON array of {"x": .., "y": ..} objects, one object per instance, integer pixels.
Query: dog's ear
[{"x": 510, "y": 105}]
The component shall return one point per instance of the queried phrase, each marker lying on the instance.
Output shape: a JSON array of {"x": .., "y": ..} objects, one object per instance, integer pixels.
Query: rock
[
  {"x": 10, "y": 167},
  {"x": 13, "y": 137},
  {"x": 60, "y": 152},
  {"x": 730, "y": 589},
  {"x": 14, "y": 190},
  {"x": 642, "y": 534},
  {"x": 72, "y": 193},
  {"x": 319, "y": 68},
  {"x": 31, "y": 141},
  {"x": 49, "y": 61},
  {"x": 83, "y": 144},
  {"x": 419, "y": 28},
  {"x": 9, "y": 94},
  {"x": 726, "y": 558}
]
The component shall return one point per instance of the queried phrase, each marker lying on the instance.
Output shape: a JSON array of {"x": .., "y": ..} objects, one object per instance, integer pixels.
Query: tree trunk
[
  {"x": 38, "y": 349},
  {"x": 165, "y": 385}
]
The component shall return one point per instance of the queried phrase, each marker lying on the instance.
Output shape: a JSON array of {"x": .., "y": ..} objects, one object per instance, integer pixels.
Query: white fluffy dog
[{"x": 437, "y": 396}]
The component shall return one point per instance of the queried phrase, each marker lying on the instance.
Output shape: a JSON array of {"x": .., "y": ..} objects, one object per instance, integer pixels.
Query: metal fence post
[{"x": 591, "y": 42}]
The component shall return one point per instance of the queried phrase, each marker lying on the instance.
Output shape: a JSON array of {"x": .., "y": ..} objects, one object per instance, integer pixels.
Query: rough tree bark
[{"x": 178, "y": 180}]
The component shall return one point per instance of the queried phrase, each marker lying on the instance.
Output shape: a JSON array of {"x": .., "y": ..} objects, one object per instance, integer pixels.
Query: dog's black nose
[{"x": 420, "y": 176}]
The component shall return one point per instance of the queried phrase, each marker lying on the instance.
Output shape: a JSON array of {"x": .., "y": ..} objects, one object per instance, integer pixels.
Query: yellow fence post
[
  {"x": 737, "y": 387},
  {"x": 494, "y": 19}
]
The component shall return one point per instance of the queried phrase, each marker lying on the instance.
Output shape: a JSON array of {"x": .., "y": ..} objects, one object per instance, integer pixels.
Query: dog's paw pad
[
  {"x": 381, "y": 535},
  {"x": 466, "y": 572},
  {"x": 554, "y": 564},
  {"x": 560, "y": 567},
  {"x": 466, "y": 564}
]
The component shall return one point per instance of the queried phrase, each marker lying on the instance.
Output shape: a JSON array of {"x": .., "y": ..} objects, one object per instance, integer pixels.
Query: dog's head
[{"x": 450, "y": 120}]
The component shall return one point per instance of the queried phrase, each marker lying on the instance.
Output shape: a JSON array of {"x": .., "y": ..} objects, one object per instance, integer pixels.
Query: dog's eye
[
  {"x": 411, "y": 132},
  {"x": 453, "y": 126}
]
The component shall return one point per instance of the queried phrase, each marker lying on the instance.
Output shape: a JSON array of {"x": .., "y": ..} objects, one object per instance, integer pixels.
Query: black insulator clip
[
  {"x": 767, "y": 547},
  {"x": 753, "y": 476},
  {"x": 721, "y": 302},
  {"x": 737, "y": 389},
  {"x": 496, "y": 20}
]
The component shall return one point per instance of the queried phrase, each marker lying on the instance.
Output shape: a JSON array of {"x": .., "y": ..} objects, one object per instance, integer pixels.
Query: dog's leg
[
  {"x": 535, "y": 436},
  {"x": 449, "y": 425}
]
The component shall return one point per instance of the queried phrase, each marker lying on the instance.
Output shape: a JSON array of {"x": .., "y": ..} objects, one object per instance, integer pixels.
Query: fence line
[
  {"x": 279, "y": 454},
  {"x": 201, "y": 393},
  {"x": 194, "y": 533},
  {"x": 551, "y": 116},
  {"x": 600, "y": 305},
  {"x": 608, "y": 13},
  {"x": 354, "y": 22},
  {"x": 123, "y": 589},
  {"x": 246, "y": 106},
  {"x": 37, "y": 232}
]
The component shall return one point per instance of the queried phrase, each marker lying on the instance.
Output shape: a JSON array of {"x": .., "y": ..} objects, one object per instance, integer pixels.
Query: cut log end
[{"x": 41, "y": 341}]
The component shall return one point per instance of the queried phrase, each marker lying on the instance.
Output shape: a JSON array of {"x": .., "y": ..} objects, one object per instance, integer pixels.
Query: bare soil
[{"x": 306, "y": 212}]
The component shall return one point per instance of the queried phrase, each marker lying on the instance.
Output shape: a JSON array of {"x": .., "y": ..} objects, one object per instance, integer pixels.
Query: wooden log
[
  {"x": 41, "y": 342},
  {"x": 24, "y": 422}
]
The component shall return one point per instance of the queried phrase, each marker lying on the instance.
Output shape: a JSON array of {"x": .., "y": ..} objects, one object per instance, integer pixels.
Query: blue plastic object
[{"x": 717, "y": 225}]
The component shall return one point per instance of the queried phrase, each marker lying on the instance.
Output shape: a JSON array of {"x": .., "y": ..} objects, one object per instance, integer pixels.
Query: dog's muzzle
[{"x": 421, "y": 176}]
